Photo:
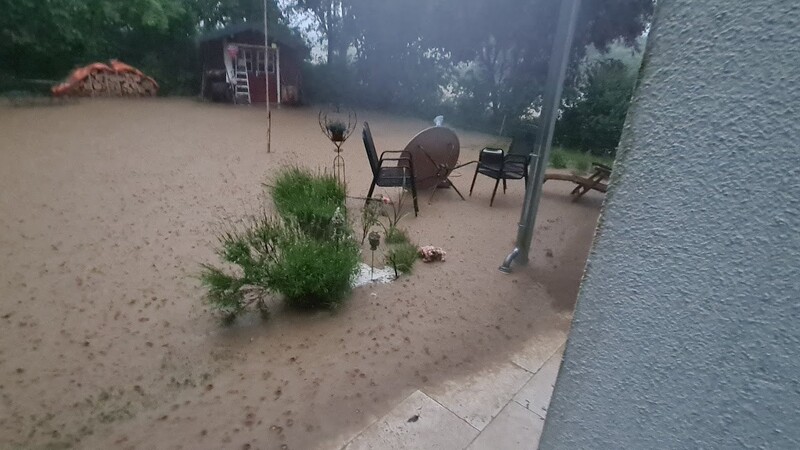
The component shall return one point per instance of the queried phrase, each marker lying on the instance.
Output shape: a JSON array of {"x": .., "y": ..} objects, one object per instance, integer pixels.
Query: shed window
[
  {"x": 271, "y": 61},
  {"x": 254, "y": 60},
  {"x": 247, "y": 56},
  {"x": 259, "y": 62}
]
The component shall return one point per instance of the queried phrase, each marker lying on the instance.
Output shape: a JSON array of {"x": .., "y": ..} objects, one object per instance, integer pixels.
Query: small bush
[
  {"x": 558, "y": 160},
  {"x": 308, "y": 199},
  {"x": 309, "y": 254},
  {"x": 279, "y": 257},
  {"x": 370, "y": 216},
  {"x": 224, "y": 292},
  {"x": 252, "y": 250},
  {"x": 396, "y": 236},
  {"x": 314, "y": 273},
  {"x": 402, "y": 257},
  {"x": 582, "y": 165}
]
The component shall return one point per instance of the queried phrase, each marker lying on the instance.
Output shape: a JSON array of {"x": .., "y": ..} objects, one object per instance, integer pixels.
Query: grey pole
[
  {"x": 559, "y": 57},
  {"x": 266, "y": 75}
]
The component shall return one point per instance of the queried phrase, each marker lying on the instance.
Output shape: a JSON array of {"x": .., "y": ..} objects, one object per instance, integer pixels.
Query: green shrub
[
  {"x": 280, "y": 257},
  {"x": 370, "y": 216},
  {"x": 224, "y": 292},
  {"x": 308, "y": 199},
  {"x": 396, "y": 236},
  {"x": 313, "y": 273},
  {"x": 309, "y": 254},
  {"x": 558, "y": 160},
  {"x": 402, "y": 257},
  {"x": 252, "y": 250},
  {"x": 582, "y": 165}
]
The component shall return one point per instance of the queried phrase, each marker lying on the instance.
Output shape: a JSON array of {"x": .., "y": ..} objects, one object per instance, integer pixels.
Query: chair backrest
[
  {"x": 491, "y": 156},
  {"x": 369, "y": 145},
  {"x": 516, "y": 164}
]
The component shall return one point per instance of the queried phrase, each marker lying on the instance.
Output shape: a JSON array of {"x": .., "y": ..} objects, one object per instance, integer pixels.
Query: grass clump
[
  {"x": 315, "y": 273},
  {"x": 402, "y": 257},
  {"x": 582, "y": 165},
  {"x": 558, "y": 160},
  {"x": 308, "y": 199},
  {"x": 396, "y": 236},
  {"x": 308, "y": 254},
  {"x": 581, "y": 162},
  {"x": 253, "y": 251}
]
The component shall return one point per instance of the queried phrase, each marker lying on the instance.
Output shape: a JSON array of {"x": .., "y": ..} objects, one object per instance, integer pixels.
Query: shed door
[{"x": 257, "y": 74}]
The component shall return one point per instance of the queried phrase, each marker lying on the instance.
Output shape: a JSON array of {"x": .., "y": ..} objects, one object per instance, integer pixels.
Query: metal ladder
[{"x": 241, "y": 83}]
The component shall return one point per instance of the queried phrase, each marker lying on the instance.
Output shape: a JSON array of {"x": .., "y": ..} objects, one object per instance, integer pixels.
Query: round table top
[{"x": 431, "y": 149}]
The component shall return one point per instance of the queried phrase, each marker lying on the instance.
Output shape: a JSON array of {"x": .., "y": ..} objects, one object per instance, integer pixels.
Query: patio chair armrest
[
  {"x": 514, "y": 158},
  {"x": 406, "y": 159},
  {"x": 394, "y": 159},
  {"x": 392, "y": 152},
  {"x": 458, "y": 166}
]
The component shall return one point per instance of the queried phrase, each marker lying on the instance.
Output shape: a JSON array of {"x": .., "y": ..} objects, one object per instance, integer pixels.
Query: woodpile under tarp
[{"x": 100, "y": 80}]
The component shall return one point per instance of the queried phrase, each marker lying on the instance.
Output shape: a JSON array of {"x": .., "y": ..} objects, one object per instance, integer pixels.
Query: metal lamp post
[
  {"x": 266, "y": 65},
  {"x": 559, "y": 57}
]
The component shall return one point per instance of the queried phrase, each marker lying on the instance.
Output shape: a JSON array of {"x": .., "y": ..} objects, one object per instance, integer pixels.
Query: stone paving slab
[
  {"x": 417, "y": 422},
  {"x": 535, "y": 395},
  {"x": 480, "y": 397},
  {"x": 539, "y": 349},
  {"x": 499, "y": 408},
  {"x": 515, "y": 428}
]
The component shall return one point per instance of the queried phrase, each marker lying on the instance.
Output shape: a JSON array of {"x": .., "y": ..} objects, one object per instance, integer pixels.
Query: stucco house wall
[{"x": 687, "y": 328}]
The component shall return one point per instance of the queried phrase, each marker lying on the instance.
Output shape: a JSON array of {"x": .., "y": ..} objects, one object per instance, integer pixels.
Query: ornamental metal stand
[{"x": 338, "y": 126}]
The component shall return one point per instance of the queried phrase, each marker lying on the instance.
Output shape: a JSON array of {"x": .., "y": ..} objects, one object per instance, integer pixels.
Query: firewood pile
[{"x": 100, "y": 80}]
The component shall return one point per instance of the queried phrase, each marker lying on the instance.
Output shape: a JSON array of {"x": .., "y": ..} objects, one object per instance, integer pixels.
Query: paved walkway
[{"x": 500, "y": 408}]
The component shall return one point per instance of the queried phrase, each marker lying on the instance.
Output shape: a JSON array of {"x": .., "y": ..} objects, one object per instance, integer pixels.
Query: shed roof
[{"x": 278, "y": 33}]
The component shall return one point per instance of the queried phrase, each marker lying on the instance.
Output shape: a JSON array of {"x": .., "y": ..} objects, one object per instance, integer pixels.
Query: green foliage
[
  {"x": 557, "y": 160},
  {"x": 310, "y": 200},
  {"x": 396, "y": 236},
  {"x": 330, "y": 17},
  {"x": 576, "y": 159},
  {"x": 254, "y": 251},
  {"x": 582, "y": 165},
  {"x": 487, "y": 65},
  {"x": 308, "y": 255},
  {"x": 315, "y": 273},
  {"x": 393, "y": 210},
  {"x": 370, "y": 216},
  {"x": 223, "y": 290},
  {"x": 47, "y": 39},
  {"x": 402, "y": 257},
  {"x": 337, "y": 129},
  {"x": 594, "y": 122}
]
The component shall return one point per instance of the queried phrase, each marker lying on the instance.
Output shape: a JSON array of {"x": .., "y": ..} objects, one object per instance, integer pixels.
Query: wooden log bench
[{"x": 594, "y": 181}]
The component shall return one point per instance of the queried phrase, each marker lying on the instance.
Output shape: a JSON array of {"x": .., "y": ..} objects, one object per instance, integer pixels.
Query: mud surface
[{"x": 108, "y": 208}]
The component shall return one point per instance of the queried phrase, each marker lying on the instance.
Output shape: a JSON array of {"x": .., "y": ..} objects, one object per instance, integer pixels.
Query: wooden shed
[{"x": 236, "y": 64}]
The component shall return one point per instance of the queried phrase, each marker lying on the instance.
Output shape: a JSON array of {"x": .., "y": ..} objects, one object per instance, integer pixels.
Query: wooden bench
[{"x": 594, "y": 181}]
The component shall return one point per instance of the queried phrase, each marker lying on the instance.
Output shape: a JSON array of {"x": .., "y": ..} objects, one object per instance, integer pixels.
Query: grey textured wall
[{"x": 687, "y": 329}]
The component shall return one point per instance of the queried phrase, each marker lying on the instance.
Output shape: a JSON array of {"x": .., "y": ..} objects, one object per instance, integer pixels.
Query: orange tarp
[{"x": 79, "y": 75}]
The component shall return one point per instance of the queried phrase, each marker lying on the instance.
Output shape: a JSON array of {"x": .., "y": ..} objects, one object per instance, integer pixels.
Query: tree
[
  {"x": 211, "y": 14},
  {"x": 333, "y": 18},
  {"x": 46, "y": 38},
  {"x": 509, "y": 42},
  {"x": 594, "y": 122},
  {"x": 493, "y": 56}
]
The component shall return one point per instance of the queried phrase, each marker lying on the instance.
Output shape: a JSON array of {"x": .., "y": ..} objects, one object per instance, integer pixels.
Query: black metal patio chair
[
  {"x": 401, "y": 174},
  {"x": 495, "y": 163}
]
